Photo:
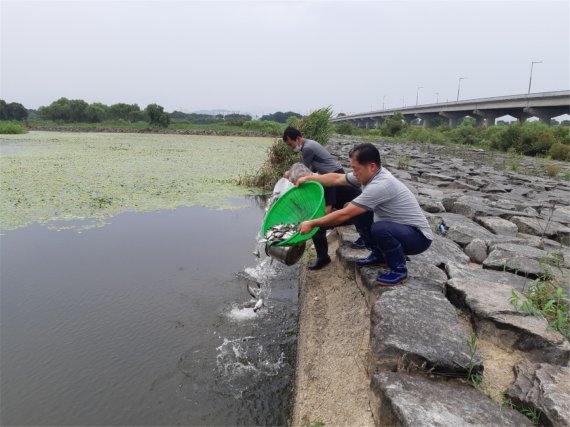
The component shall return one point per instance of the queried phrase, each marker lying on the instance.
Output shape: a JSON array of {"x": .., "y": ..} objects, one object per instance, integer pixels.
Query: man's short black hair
[
  {"x": 365, "y": 154},
  {"x": 291, "y": 133}
]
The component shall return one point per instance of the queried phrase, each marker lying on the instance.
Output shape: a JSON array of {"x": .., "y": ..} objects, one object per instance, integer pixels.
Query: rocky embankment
[{"x": 495, "y": 231}]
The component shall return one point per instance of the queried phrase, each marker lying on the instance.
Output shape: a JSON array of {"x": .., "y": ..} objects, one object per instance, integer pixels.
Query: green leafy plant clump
[
  {"x": 280, "y": 157},
  {"x": 544, "y": 298},
  {"x": 10, "y": 127}
]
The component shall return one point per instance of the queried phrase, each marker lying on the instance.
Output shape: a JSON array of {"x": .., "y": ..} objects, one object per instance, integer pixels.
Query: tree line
[{"x": 78, "y": 111}]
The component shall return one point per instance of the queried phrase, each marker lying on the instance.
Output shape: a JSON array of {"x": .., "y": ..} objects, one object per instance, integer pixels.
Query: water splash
[{"x": 244, "y": 362}]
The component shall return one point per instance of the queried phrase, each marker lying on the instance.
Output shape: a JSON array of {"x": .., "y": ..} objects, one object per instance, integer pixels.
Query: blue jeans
[{"x": 392, "y": 241}]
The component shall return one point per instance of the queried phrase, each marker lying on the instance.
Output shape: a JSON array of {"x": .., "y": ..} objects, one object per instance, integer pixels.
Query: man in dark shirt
[{"x": 317, "y": 159}]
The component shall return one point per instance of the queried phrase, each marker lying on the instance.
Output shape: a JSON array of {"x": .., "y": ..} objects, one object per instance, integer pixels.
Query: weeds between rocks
[
  {"x": 546, "y": 299},
  {"x": 533, "y": 414}
]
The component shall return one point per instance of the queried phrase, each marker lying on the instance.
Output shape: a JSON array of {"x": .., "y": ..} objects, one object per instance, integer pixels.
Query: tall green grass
[
  {"x": 280, "y": 157},
  {"x": 11, "y": 127}
]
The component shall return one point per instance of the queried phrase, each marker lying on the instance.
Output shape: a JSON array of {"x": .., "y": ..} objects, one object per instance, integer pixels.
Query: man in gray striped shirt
[{"x": 399, "y": 227}]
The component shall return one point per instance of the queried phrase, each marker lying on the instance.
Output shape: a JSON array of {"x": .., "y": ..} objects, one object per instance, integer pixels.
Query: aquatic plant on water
[{"x": 50, "y": 176}]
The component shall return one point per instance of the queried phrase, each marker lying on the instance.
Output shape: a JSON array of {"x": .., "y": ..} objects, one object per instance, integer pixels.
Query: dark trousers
[
  {"x": 361, "y": 222},
  {"x": 392, "y": 241}
]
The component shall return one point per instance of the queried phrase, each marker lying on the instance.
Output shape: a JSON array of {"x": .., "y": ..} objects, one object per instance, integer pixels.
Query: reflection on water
[{"x": 146, "y": 321}]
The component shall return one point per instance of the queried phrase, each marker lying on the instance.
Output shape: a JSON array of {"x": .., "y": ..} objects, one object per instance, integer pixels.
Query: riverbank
[
  {"x": 452, "y": 332},
  {"x": 331, "y": 383}
]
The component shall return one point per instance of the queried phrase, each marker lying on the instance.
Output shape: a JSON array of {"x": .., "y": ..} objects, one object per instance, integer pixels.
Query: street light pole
[
  {"x": 459, "y": 86},
  {"x": 437, "y": 97},
  {"x": 383, "y": 98},
  {"x": 417, "y": 93},
  {"x": 530, "y": 79}
]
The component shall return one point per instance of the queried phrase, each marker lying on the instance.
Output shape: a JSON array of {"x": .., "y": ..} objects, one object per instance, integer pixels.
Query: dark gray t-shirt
[
  {"x": 318, "y": 159},
  {"x": 390, "y": 200}
]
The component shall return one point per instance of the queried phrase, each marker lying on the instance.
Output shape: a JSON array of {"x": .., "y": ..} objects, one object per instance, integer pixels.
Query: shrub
[
  {"x": 424, "y": 135},
  {"x": 530, "y": 138},
  {"x": 560, "y": 151},
  {"x": 393, "y": 125},
  {"x": 466, "y": 134},
  {"x": 553, "y": 169},
  {"x": 264, "y": 126},
  {"x": 11, "y": 127},
  {"x": 345, "y": 128},
  {"x": 280, "y": 157},
  {"x": 316, "y": 126}
]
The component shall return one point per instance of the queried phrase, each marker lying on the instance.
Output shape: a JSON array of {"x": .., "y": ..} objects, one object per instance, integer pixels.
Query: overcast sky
[{"x": 266, "y": 56}]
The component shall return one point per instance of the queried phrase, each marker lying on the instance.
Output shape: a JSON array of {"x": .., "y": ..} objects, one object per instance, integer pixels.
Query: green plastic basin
[{"x": 298, "y": 204}]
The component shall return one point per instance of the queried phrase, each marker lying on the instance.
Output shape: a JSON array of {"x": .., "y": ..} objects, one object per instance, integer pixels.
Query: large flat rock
[
  {"x": 399, "y": 399},
  {"x": 461, "y": 271},
  {"x": 541, "y": 227},
  {"x": 498, "y": 225},
  {"x": 419, "y": 328},
  {"x": 544, "y": 387},
  {"x": 441, "y": 252},
  {"x": 518, "y": 259},
  {"x": 497, "y": 319}
]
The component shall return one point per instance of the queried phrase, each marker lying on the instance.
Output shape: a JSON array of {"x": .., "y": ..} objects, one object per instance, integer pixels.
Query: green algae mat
[{"x": 66, "y": 177}]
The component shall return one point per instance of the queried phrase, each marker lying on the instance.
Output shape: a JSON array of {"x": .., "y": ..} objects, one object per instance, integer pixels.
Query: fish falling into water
[{"x": 279, "y": 233}]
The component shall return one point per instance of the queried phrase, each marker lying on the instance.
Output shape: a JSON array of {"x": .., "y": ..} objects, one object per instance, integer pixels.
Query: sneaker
[
  {"x": 392, "y": 278},
  {"x": 358, "y": 244},
  {"x": 371, "y": 259},
  {"x": 319, "y": 263}
]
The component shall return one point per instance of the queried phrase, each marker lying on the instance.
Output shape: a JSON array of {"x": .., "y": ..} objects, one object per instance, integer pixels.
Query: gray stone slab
[
  {"x": 399, "y": 399},
  {"x": 366, "y": 280},
  {"x": 473, "y": 207},
  {"x": 544, "y": 387},
  {"x": 498, "y": 225},
  {"x": 419, "y": 328},
  {"x": 441, "y": 252},
  {"x": 530, "y": 240},
  {"x": 525, "y": 260},
  {"x": 428, "y": 273},
  {"x": 506, "y": 260},
  {"x": 437, "y": 177},
  {"x": 465, "y": 232},
  {"x": 496, "y": 318},
  {"x": 461, "y": 271},
  {"x": 561, "y": 214},
  {"x": 430, "y": 204},
  {"x": 540, "y": 227}
]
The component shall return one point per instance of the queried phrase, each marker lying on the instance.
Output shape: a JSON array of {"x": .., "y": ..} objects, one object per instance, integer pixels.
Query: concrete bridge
[{"x": 544, "y": 105}]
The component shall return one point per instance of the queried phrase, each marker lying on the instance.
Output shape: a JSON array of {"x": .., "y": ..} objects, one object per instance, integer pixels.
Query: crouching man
[{"x": 398, "y": 227}]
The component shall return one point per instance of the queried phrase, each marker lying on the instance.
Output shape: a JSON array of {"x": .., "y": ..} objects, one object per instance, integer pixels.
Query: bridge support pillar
[
  {"x": 452, "y": 118},
  {"x": 520, "y": 115},
  {"x": 485, "y": 118},
  {"x": 409, "y": 118},
  {"x": 427, "y": 118},
  {"x": 545, "y": 114}
]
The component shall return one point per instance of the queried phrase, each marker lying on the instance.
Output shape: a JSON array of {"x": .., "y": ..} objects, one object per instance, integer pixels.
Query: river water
[{"x": 146, "y": 321}]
